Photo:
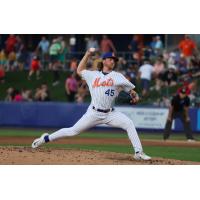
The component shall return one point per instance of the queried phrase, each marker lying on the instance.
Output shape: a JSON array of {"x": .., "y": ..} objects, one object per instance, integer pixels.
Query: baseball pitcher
[{"x": 104, "y": 87}]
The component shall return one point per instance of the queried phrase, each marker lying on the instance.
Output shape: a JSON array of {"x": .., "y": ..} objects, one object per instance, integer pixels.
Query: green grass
[
  {"x": 90, "y": 134},
  {"x": 179, "y": 153}
]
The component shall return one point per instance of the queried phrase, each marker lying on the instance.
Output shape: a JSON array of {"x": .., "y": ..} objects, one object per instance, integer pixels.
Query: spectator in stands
[
  {"x": 187, "y": 47},
  {"x": 153, "y": 42},
  {"x": 3, "y": 59},
  {"x": 63, "y": 52},
  {"x": 37, "y": 94},
  {"x": 72, "y": 45},
  {"x": 158, "y": 69},
  {"x": 153, "y": 46},
  {"x": 12, "y": 64},
  {"x": 162, "y": 102},
  {"x": 131, "y": 73},
  {"x": 19, "y": 44},
  {"x": 35, "y": 68},
  {"x": 147, "y": 52},
  {"x": 73, "y": 64},
  {"x": 165, "y": 56},
  {"x": 133, "y": 45},
  {"x": 91, "y": 42},
  {"x": 54, "y": 51},
  {"x": 17, "y": 96},
  {"x": 27, "y": 95},
  {"x": 145, "y": 74},
  {"x": 23, "y": 58},
  {"x": 182, "y": 66},
  {"x": 71, "y": 87},
  {"x": 106, "y": 45},
  {"x": 42, "y": 93},
  {"x": 2, "y": 74},
  {"x": 10, "y": 43},
  {"x": 195, "y": 64},
  {"x": 171, "y": 62},
  {"x": 158, "y": 46},
  {"x": 9, "y": 94},
  {"x": 170, "y": 77},
  {"x": 45, "y": 96},
  {"x": 43, "y": 46},
  {"x": 137, "y": 59},
  {"x": 165, "y": 102},
  {"x": 82, "y": 92},
  {"x": 21, "y": 52}
]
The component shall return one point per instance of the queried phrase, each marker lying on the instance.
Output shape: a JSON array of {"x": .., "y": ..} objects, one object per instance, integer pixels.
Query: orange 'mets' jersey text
[{"x": 105, "y": 83}]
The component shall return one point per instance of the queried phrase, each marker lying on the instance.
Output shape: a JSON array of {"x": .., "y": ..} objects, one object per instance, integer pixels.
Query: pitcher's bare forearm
[{"x": 83, "y": 62}]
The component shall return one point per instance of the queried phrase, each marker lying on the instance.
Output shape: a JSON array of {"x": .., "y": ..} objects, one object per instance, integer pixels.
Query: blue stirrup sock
[{"x": 46, "y": 138}]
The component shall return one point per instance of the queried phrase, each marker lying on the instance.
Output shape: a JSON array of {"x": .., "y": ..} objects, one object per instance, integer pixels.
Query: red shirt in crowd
[
  {"x": 35, "y": 65},
  {"x": 10, "y": 43},
  {"x": 18, "y": 98},
  {"x": 2, "y": 73},
  {"x": 187, "y": 46}
]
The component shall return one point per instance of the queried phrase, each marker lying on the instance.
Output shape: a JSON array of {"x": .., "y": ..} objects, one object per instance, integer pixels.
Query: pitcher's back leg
[{"x": 120, "y": 120}]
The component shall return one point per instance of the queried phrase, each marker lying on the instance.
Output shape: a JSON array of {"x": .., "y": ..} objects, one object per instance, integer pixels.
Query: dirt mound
[{"x": 43, "y": 156}]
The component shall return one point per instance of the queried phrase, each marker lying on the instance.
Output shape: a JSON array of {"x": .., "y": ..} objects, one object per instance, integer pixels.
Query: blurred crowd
[
  {"x": 40, "y": 94},
  {"x": 150, "y": 67}
]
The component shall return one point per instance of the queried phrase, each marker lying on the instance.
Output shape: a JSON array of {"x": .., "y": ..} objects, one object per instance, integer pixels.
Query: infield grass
[{"x": 21, "y": 132}]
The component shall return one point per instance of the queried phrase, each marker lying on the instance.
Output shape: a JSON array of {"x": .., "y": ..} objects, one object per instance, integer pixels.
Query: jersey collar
[{"x": 104, "y": 73}]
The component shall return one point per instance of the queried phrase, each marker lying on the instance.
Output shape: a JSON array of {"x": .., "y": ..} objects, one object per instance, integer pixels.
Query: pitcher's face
[{"x": 109, "y": 63}]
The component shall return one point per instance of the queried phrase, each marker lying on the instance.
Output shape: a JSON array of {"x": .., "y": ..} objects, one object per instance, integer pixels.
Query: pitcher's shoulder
[
  {"x": 116, "y": 73},
  {"x": 119, "y": 74}
]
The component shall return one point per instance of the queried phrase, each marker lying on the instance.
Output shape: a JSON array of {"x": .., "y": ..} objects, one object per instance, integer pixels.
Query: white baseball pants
[{"x": 92, "y": 118}]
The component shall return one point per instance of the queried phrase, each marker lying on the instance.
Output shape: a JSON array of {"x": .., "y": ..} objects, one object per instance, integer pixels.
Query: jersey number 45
[{"x": 110, "y": 92}]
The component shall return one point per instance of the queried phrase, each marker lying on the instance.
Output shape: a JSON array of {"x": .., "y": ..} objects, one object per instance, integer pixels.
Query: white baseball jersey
[{"x": 105, "y": 88}]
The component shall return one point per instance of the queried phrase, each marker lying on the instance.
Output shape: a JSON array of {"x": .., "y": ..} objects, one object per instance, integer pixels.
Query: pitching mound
[{"x": 43, "y": 156}]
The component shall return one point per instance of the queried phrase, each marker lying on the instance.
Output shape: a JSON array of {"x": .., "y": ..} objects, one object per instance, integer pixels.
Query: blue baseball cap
[{"x": 110, "y": 55}]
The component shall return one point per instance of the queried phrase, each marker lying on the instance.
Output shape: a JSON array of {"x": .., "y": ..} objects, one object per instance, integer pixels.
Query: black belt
[{"x": 104, "y": 111}]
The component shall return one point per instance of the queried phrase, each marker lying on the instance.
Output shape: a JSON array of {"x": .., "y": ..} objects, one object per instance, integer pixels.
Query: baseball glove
[{"x": 127, "y": 98}]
